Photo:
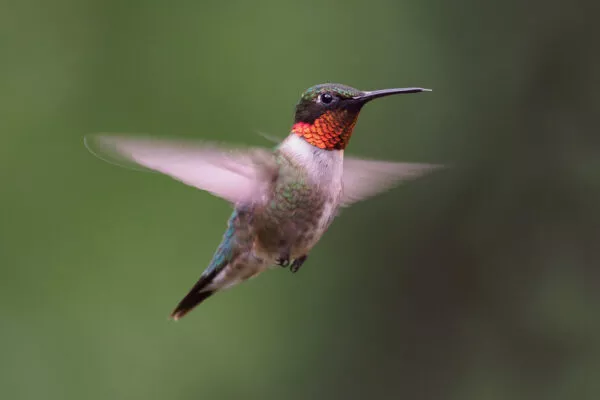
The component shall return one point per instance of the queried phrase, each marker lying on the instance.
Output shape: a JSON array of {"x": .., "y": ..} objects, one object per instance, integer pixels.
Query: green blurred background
[{"x": 480, "y": 282}]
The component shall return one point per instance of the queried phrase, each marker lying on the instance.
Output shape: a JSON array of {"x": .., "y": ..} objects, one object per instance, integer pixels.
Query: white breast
[{"x": 325, "y": 167}]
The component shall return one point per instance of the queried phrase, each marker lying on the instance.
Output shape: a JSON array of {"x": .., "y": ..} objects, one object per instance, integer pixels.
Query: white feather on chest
[{"x": 325, "y": 168}]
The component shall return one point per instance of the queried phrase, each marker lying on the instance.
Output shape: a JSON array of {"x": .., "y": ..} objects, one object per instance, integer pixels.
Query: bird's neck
[
  {"x": 331, "y": 131},
  {"x": 323, "y": 166}
]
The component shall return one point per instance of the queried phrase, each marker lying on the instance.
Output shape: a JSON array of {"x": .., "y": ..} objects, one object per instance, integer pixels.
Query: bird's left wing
[
  {"x": 235, "y": 175},
  {"x": 366, "y": 178}
]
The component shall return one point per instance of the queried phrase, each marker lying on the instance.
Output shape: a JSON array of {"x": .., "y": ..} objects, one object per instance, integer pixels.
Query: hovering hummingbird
[{"x": 284, "y": 199}]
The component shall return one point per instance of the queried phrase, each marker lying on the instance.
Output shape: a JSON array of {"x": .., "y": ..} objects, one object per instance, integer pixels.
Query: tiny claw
[
  {"x": 283, "y": 262},
  {"x": 297, "y": 264}
]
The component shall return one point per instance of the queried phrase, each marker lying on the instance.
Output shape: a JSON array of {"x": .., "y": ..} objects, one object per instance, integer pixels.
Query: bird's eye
[{"x": 326, "y": 98}]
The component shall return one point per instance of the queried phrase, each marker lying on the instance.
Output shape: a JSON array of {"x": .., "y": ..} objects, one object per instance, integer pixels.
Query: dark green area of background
[{"x": 480, "y": 282}]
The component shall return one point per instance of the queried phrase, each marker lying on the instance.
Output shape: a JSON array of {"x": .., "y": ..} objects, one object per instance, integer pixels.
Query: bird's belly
[
  {"x": 294, "y": 232},
  {"x": 311, "y": 236}
]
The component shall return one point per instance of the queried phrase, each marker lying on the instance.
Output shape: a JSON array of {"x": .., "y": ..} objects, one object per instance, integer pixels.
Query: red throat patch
[{"x": 331, "y": 131}]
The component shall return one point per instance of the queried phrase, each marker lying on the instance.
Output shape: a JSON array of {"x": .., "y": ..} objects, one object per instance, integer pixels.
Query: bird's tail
[
  {"x": 197, "y": 294},
  {"x": 203, "y": 288}
]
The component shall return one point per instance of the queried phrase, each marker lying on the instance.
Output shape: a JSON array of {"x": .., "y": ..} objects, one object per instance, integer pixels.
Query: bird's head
[{"x": 326, "y": 113}]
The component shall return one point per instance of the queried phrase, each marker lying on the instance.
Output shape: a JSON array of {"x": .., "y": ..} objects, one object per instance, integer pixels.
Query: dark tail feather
[{"x": 195, "y": 296}]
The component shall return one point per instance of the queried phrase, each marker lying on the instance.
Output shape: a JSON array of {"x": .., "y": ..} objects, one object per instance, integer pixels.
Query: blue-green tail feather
[{"x": 221, "y": 258}]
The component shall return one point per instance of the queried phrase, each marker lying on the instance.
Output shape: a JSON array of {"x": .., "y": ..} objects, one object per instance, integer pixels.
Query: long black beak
[{"x": 368, "y": 96}]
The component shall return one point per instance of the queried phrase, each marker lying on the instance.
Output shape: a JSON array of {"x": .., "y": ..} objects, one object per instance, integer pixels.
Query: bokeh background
[{"x": 478, "y": 282}]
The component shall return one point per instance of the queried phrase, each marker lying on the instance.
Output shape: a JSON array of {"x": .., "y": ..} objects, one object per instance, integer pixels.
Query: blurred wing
[
  {"x": 270, "y": 138},
  {"x": 232, "y": 174},
  {"x": 366, "y": 178}
]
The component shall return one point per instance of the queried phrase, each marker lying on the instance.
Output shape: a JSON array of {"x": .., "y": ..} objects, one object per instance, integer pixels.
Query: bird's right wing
[
  {"x": 366, "y": 178},
  {"x": 235, "y": 175}
]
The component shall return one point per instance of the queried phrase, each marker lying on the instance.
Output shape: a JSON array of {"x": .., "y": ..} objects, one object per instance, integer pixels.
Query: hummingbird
[{"x": 284, "y": 198}]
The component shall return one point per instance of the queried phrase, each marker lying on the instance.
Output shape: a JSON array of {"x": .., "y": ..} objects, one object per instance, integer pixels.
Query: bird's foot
[
  {"x": 283, "y": 261},
  {"x": 297, "y": 263}
]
